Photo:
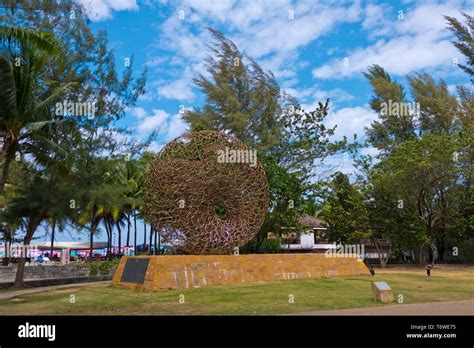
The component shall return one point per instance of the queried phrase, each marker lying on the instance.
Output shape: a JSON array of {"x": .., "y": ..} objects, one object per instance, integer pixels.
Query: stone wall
[
  {"x": 194, "y": 271},
  {"x": 7, "y": 274}
]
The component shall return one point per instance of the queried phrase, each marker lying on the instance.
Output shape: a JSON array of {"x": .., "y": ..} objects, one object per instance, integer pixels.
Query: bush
[
  {"x": 102, "y": 267},
  {"x": 93, "y": 268},
  {"x": 268, "y": 246},
  {"x": 466, "y": 251}
]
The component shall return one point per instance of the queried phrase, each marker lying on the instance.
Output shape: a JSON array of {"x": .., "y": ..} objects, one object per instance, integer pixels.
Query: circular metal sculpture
[{"x": 206, "y": 192}]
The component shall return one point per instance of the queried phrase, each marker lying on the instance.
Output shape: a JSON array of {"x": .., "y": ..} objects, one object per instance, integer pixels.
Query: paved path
[
  {"x": 434, "y": 308},
  {"x": 5, "y": 295}
]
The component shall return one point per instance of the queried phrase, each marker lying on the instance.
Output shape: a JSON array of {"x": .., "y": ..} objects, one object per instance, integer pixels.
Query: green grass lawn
[{"x": 447, "y": 284}]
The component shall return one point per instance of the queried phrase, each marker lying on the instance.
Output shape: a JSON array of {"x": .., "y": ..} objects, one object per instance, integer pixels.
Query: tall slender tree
[{"x": 465, "y": 40}]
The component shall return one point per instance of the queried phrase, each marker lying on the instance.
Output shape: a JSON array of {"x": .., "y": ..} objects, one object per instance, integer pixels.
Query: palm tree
[
  {"x": 142, "y": 164},
  {"x": 130, "y": 177},
  {"x": 100, "y": 193},
  {"x": 38, "y": 197},
  {"x": 114, "y": 216},
  {"x": 25, "y": 99},
  {"x": 136, "y": 183},
  {"x": 26, "y": 122}
]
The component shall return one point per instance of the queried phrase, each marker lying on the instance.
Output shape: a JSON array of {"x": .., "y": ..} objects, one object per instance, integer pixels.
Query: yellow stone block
[{"x": 192, "y": 271}]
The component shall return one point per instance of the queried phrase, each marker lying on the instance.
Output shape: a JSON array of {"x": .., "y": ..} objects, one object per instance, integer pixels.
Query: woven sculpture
[{"x": 206, "y": 193}]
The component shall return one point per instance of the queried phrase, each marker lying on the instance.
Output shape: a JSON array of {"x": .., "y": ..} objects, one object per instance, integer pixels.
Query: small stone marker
[{"x": 382, "y": 292}]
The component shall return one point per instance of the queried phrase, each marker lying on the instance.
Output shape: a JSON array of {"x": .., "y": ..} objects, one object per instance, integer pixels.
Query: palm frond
[
  {"x": 24, "y": 36},
  {"x": 7, "y": 89},
  {"x": 57, "y": 94}
]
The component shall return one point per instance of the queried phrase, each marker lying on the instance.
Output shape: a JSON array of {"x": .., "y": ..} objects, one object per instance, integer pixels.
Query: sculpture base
[{"x": 194, "y": 271}]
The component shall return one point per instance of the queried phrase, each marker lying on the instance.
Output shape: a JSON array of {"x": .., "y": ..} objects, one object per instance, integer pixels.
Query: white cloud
[
  {"x": 266, "y": 22},
  {"x": 176, "y": 127},
  {"x": 351, "y": 121},
  {"x": 278, "y": 33},
  {"x": 99, "y": 10},
  {"x": 399, "y": 56},
  {"x": 156, "y": 61},
  {"x": 153, "y": 122},
  {"x": 372, "y": 151},
  {"x": 179, "y": 90},
  {"x": 155, "y": 146},
  {"x": 166, "y": 125},
  {"x": 376, "y": 20},
  {"x": 310, "y": 97},
  {"x": 138, "y": 112},
  {"x": 339, "y": 163},
  {"x": 420, "y": 40},
  {"x": 216, "y": 9}
]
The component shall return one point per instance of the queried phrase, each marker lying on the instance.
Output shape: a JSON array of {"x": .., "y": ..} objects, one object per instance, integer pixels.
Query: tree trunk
[
  {"x": 135, "y": 231},
  {"x": 20, "y": 271},
  {"x": 383, "y": 260},
  {"x": 111, "y": 243},
  {"x": 151, "y": 239},
  {"x": 52, "y": 236},
  {"x": 8, "y": 245},
  {"x": 30, "y": 230},
  {"x": 128, "y": 228},
  {"x": 91, "y": 247},
  {"x": 5, "y": 257},
  {"x": 144, "y": 237},
  {"x": 159, "y": 242},
  {"x": 422, "y": 255},
  {"x": 433, "y": 252},
  {"x": 119, "y": 240},
  {"x": 109, "y": 237},
  {"x": 156, "y": 250},
  {"x": 6, "y": 166}
]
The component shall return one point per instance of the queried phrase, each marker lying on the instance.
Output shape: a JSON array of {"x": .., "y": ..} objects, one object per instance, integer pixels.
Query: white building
[{"x": 312, "y": 240}]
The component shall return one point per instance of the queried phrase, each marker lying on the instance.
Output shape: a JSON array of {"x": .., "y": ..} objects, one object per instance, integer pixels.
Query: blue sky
[
  {"x": 304, "y": 43},
  {"x": 316, "y": 49}
]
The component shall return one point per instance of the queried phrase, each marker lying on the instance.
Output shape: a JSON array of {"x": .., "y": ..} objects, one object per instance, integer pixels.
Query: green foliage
[
  {"x": 424, "y": 179},
  {"x": 437, "y": 107},
  {"x": 102, "y": 267},
  {"x": 466, "y": 251},
  {"x": 286, "y": 192},
  {"x": 69, "y": 152},
  {"x": 346, "y": 211},
  {"x": 268, "y": 246},
  {"x": 26, "y": 98},
  {"x": 241, "y": 97},
  {"x": 305, "y": 140},
  {"x": 390, "y": 129},
  {"x": 43, "y": 41},
  {"x": 246, "y": 101},
  {"x": 465, "y": 43}
]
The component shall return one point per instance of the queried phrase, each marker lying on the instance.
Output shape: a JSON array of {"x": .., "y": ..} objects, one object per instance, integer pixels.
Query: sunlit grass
[{"x": 250, "y": 299}]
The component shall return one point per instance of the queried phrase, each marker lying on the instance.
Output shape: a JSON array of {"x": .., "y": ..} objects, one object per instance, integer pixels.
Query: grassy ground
[{"x": 447, "y": 284}]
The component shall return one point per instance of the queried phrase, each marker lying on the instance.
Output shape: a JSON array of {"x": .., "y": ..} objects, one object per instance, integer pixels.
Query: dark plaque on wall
[{"x": 134, "y": 271}]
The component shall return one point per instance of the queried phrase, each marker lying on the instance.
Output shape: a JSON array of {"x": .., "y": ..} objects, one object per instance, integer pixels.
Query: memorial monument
[{"x": 208, "y": 194}]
